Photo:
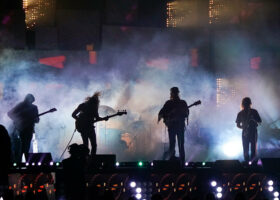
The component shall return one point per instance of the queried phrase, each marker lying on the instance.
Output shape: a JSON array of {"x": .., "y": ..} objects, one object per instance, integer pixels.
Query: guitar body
[
  {"x": 82, "y": 125},
  {"x": 177, "y": 116}
]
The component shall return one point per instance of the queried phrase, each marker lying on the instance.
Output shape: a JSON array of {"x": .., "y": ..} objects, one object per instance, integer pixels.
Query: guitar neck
[
  {"x": 191, "y": 105},
  {"x": 43, "y": 113}
]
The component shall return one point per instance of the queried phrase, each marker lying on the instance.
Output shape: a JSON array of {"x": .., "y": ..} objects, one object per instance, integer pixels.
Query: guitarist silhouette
[
  {"x": 174, "y": 112},
  {"x": 24, "y": 116},
  {"x": 85, "y": 115}
]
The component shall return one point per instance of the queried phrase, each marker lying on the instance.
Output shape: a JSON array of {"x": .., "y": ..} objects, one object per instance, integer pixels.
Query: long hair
[
  {"x": 246, "y": 103},
  {"x": 94, "y": 99}
]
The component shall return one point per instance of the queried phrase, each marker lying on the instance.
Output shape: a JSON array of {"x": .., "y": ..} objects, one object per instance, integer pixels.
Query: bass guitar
[{"x": 81, "y": 124}]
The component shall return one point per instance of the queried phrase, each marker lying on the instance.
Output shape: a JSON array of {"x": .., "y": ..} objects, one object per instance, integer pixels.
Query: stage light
[
  {"x": 152, "y": 164},
  {"x": 14, "y": 164},
  {"x": 138, "y": 196},
  {"x": 204, "y": 163},
  {"x": 270, "y": 182},
  {"x": 138, "y": 190},
  {"x": 270, "y": 188},
  {"x": 51, "y": 163},
  {"x": 219, "y": 195},
  {"x": 132, "y": 184},
  {"x": 213, "y": 183},
  {"x": 232, "y": 148},
  {"x": 39, "y": 163},
  {"x": 140, "y": 164},
  {"x": 27, "y": 164},
  {"x": 276, "y": 194},
  {"x": 276, "y": 198},
  {"x": 117, "y": 164},
  {"x": 57, "y": 164},
  {"x": 219, "y": 189},
  {"x": 250, "y": 163},
  {"x": 33, "y": 164},
  {"x": 186, "y": 163}
]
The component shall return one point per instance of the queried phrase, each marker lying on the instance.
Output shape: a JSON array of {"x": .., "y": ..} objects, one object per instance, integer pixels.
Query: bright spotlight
[
  {"x": 27, "y": 164},
  {"x": 213, "y": 183},
  {"x": 276, "y": 194},
  {"x": 219, "y": 195},
  {"x": 270, "y": 182},
  {"x": 138, "y": 196},
  {"x": 250, "y": 163},
  {"x": 117, "y": 164},
  {"x": 33, "y": 164},
  {"x": 270, "y": 188},
  {"x": 186, "y": 163},
  {"x": 133, "y": 184},
  {"x": 152, "y": 164},
  {"x": 204, "y": 163},
  {"x": 51, "y": 163},
  {"x": 276, "y": 198},
  {"x": 39, "y": 163},
  {"x": 219, "y": 189},
  {"x": 15, "y": 164},
  {"x": 232, "y": 148},
  {"x": 57, "y": 164},
  {"x": 138, "y": 190}
]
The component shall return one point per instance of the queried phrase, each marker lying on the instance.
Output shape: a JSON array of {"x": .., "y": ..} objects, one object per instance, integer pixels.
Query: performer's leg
[
  {"x": 26, "y": 138},
  {"x": 245, "y": 142},
  {"x": 84, "y": 135},
  {"x": 181, "y": 141},
  {"x": 172, "y": 141},
  {"x": 253, "y": 142},
  {"x": 92, "y": 138}
]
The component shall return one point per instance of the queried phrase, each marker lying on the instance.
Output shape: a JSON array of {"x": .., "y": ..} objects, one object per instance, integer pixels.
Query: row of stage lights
[
  {"x": 35, "y": 164},
  {"x": 139, "y": 164},
  {"x": 218, "y": 189}
]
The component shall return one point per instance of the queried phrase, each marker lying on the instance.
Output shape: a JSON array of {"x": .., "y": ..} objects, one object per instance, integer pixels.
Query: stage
[{"x": 224, "y": 178}]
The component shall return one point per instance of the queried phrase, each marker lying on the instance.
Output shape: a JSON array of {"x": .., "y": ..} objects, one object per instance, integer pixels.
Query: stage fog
[{"x": 134, "y": 70}]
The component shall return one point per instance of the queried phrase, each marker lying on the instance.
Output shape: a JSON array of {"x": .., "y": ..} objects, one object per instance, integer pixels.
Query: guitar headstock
[
  {"x": 121, "y": 112},
  {"x": 53, "y": 110},
  {"x": 197, "y": 103}
]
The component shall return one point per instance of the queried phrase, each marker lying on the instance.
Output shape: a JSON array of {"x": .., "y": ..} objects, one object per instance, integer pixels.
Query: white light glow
[
  {"x": 219, "y": 195},
  {"x": 270, "y": 188},
  {"x": 138, "y": 196},
  {"x": 270, "y": 182},
  {"x": 233, "y": 147},
  {"x": 132, "y": 184},
  {"x": 219, "y": 189},
  {"x": 213, "y": 183},
  {"x": 276, "y": 194},
  {"x": 138, "y": 190}
]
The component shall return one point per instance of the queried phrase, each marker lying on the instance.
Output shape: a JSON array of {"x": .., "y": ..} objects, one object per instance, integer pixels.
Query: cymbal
[{"x": 106, "y": 110}]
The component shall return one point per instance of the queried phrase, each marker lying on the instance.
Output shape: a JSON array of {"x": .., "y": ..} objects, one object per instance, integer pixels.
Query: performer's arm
[
  {"x": 37, "y": 119},
  {"x": 162, "y": 112},
  {"x": 258, "y": 118},
  {"x": 76, "y": 112},
  {"x": 238, "y": 122}
]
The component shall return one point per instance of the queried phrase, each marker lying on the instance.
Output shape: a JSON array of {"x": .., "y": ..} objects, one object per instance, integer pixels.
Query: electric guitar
[
  {"x": 21, "y": 124},
  {"x": 81, "y": 124},
  {"x": 49, "y": 111},
  {"x": 168, "y": 119}
]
